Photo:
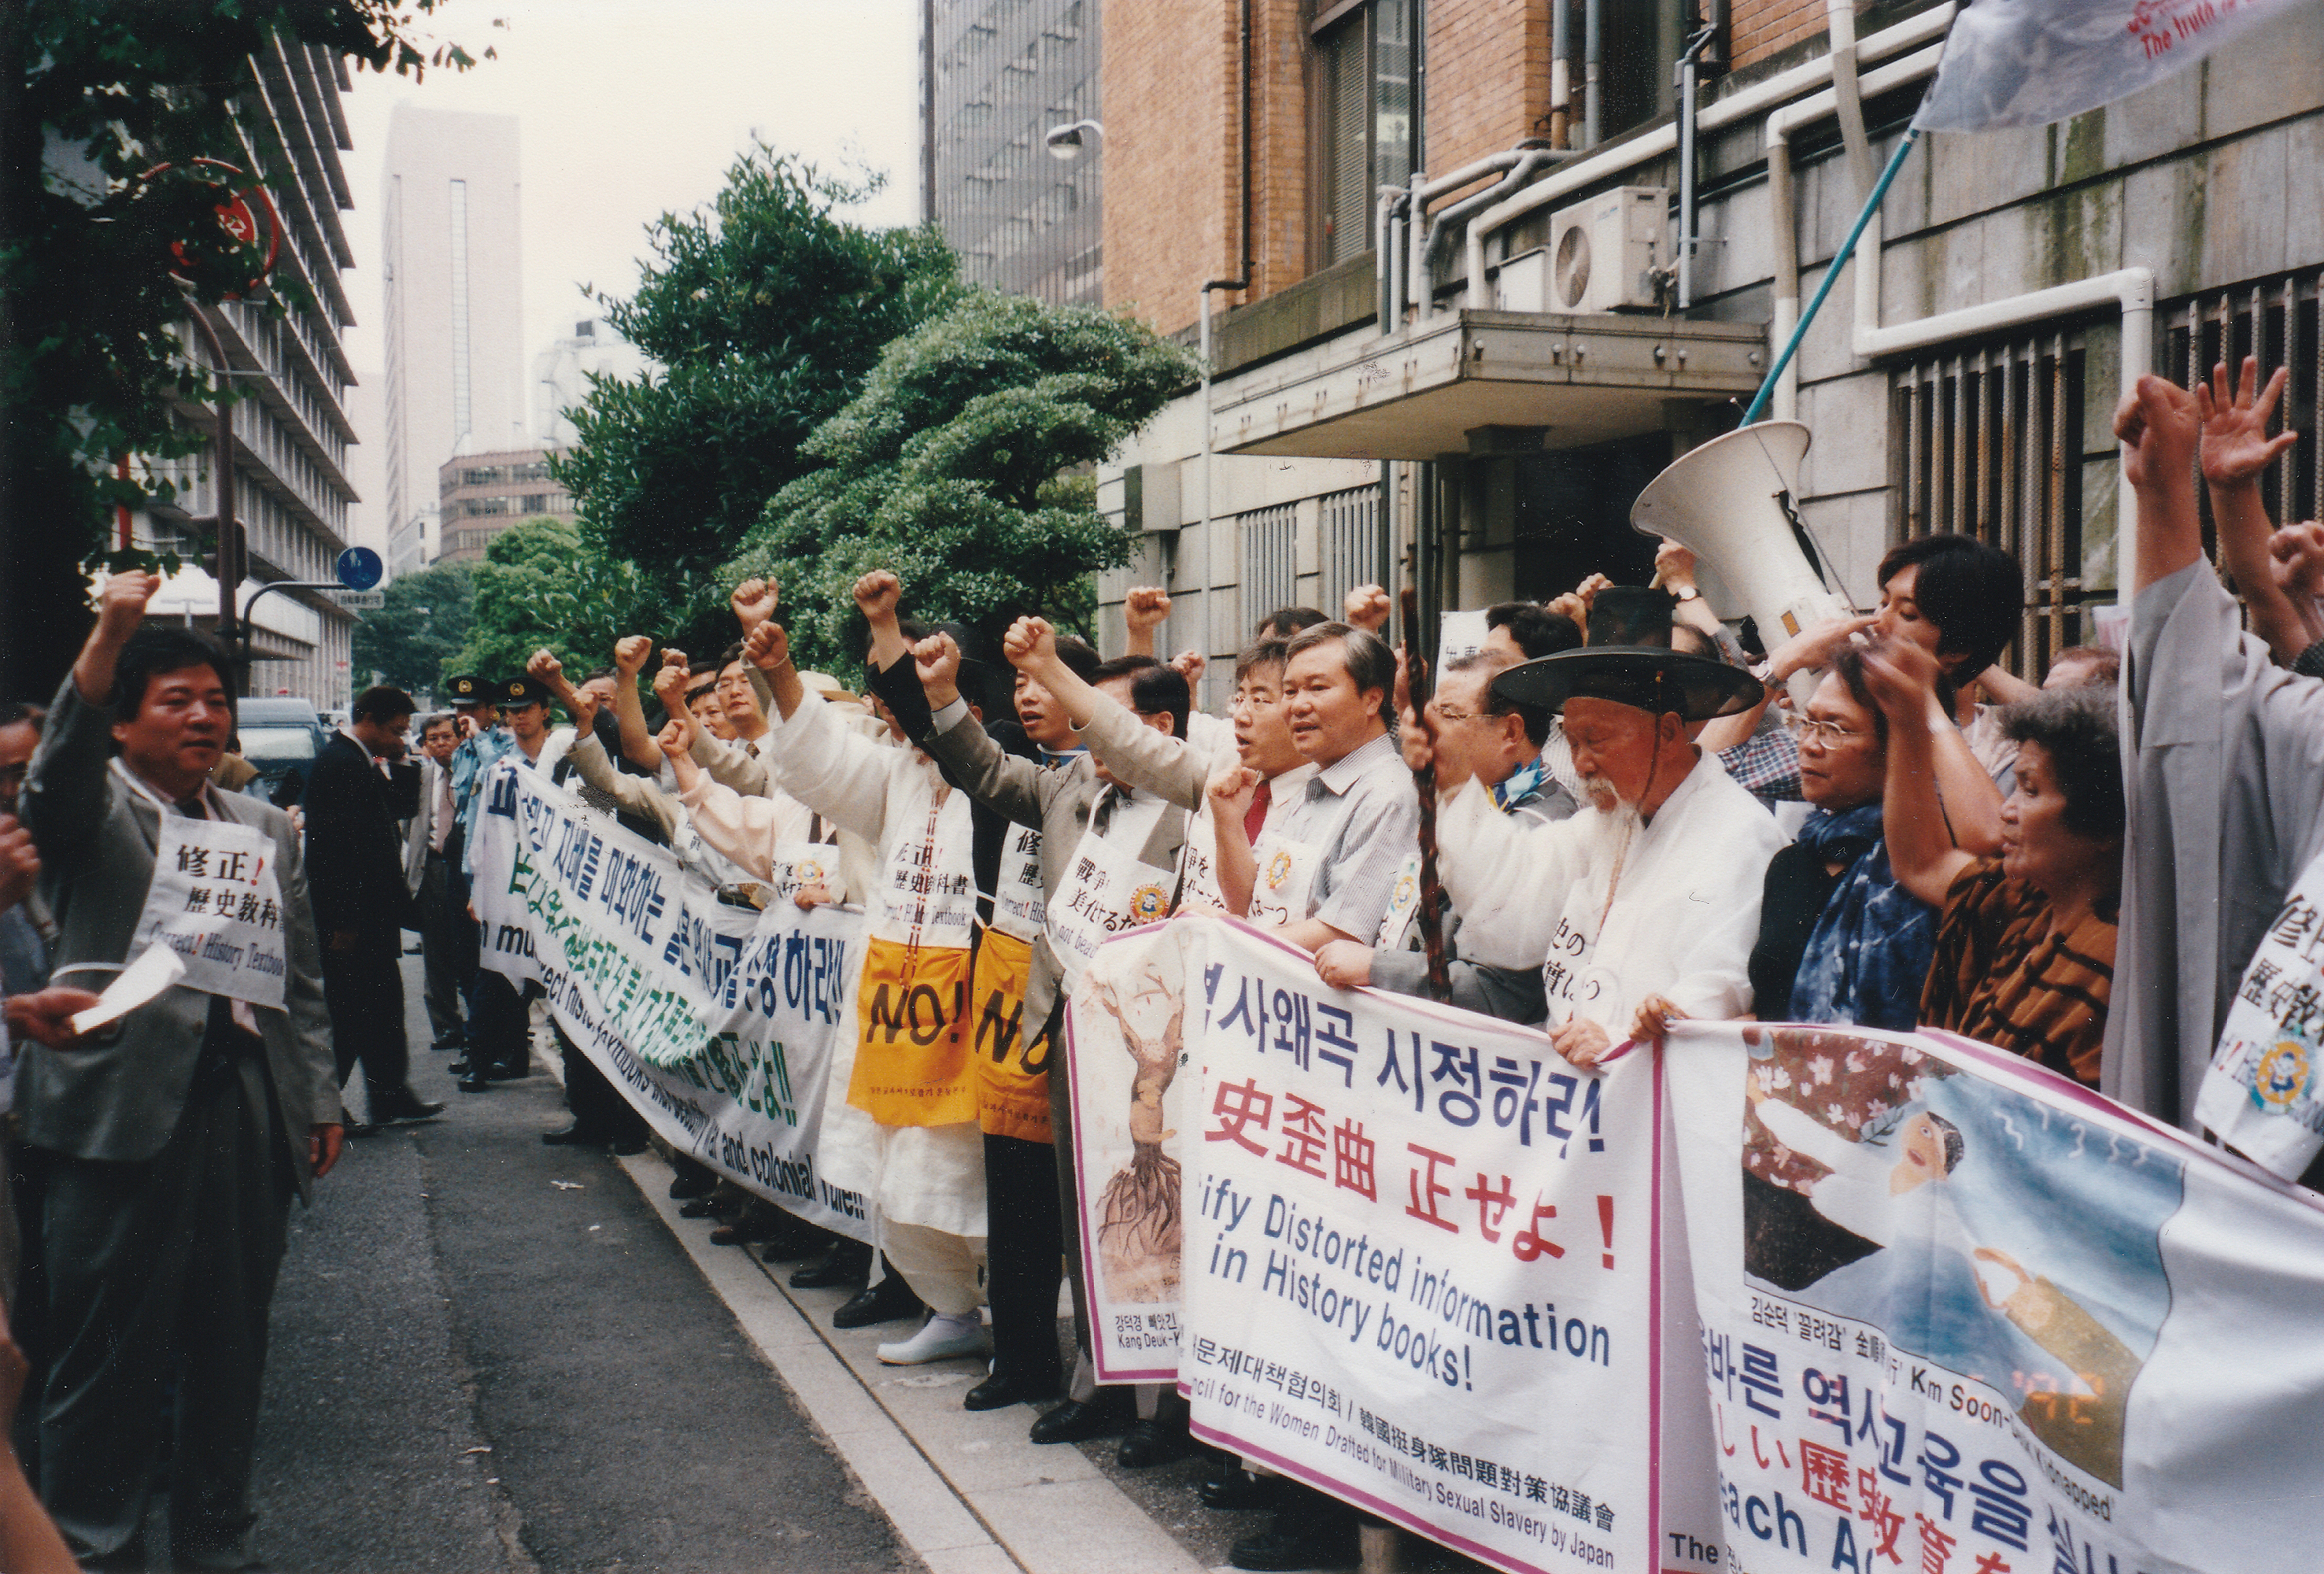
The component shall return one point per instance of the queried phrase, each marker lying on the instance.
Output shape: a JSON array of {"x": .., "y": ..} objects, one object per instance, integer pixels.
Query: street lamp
[{"x": 1064, "y": 141}]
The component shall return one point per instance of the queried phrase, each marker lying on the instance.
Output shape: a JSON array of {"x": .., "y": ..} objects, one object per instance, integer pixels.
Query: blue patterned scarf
[
  {"x": 1521, "y": 785},
  {"x": 1869, "y": 953}
]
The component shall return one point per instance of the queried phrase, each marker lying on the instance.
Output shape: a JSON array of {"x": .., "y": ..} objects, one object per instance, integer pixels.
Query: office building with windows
[
  {"x": 996, "y": 77},
  {"x": 482, "y": 494},
  {"x": 1460, "y": 333},
  {"x": 292, "y": 431},
  {"x": 454, "y": 319}
]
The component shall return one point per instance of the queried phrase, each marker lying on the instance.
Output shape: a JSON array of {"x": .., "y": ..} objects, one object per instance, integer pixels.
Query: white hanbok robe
[
  {"x": 1683, "y": 916},
  {"x": 928, "y": 1175}
]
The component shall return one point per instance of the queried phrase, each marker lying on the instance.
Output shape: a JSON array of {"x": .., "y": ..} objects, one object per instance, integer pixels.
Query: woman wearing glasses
[{"x": 1842, "y": 940}]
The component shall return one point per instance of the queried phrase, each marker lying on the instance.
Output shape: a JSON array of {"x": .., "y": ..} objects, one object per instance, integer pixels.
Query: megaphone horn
[{"x": 1729, "y": 502}]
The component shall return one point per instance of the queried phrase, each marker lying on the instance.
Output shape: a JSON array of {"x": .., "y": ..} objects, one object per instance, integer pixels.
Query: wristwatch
[{"x": 1689, "y": 594}]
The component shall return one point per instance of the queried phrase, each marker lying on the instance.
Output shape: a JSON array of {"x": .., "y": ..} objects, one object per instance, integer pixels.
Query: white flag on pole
[{"x": 2029, "y": 62}]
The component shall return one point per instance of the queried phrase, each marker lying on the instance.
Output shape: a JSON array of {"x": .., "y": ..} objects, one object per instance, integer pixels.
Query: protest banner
[
  {"x": 1422, "y": 1264},
  {"x": 1131, "y": 1112},
  {"x": 1962, "y": 1315},
  {"x": 715, "y": 1021}
]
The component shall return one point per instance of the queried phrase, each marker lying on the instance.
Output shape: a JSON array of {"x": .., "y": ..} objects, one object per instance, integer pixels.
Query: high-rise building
[
  {"x": 292, "y": 428},
  {"x": 561, "y": 373},
  {"x": 996, "y": 76},
  {"x": 453, "y": 285}
]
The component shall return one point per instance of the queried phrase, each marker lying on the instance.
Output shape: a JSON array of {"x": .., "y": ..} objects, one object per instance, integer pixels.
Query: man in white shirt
[
  {"x": 1652, "y": 893},
  {"x": 427, "y": 870}
]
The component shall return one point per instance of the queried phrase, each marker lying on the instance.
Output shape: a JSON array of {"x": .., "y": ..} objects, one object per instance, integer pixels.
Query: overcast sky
[{"x": 633, "y": 108}]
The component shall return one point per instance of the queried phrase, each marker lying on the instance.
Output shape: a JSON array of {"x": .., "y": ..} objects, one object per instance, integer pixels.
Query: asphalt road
[{"x": 475, "y": 1368}]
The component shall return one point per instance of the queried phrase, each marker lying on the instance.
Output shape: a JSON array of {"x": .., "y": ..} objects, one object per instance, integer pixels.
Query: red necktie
[{"x": 1254, "y": 819}]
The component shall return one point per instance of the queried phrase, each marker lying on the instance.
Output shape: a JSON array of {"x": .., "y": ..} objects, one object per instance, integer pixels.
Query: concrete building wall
[
  {"x": 482, "y": 494},
  {"x": 453, "y": 326},
  {"x": 999, "y": 76}
]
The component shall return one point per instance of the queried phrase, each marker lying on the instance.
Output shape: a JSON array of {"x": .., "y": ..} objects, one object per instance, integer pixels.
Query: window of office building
[{"x": 1368, "y": 127}]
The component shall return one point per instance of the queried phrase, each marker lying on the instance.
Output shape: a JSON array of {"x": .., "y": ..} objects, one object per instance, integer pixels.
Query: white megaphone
[{"x": 1729, "y": 502}]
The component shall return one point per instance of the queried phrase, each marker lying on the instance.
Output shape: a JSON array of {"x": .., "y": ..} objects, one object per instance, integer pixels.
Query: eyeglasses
[
  {"x": 1828, "y": 734},
  {"x": 1454, "y": 717}
]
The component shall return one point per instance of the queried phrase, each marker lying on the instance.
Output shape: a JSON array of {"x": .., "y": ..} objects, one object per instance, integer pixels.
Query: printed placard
[{"x": 715, "y": 1021}]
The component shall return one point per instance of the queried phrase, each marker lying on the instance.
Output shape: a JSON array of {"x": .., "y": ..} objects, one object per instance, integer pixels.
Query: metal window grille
[
  {"x": 1353, "y": 545},
  {"x": 1271, "y": 560},
  {"x": 2275, "y": 319},
  {"x": 1991, "y": 448}
]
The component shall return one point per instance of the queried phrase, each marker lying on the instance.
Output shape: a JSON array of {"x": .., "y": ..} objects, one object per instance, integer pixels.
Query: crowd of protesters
[{"x": 1633, "y": 825}]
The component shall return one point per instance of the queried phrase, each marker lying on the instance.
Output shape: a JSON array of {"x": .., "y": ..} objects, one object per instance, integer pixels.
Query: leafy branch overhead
[
  {"x": 764, "y": 311},
  {"x": 963, "y": 465}
]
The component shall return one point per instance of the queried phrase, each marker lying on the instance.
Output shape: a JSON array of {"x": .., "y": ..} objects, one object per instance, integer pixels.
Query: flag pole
[{"x": 1831, "y": 275}]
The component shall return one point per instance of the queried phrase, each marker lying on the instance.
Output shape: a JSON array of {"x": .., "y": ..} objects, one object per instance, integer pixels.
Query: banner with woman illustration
[{"x": 1961, "y": 1315}]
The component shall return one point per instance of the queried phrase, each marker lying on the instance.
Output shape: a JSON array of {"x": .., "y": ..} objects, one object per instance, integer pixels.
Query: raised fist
[
  {"x": 669, "y": 687},
  {"x": 630, "y": 654},
  {"x": 769, "y": 647},
  {"x": 1366, "y": 607},
  {"x": 1145, "y": 607},
  {"x": 545, "y": 666},
  {"x": 677, "y": 734},
  {"x": 1030, "y": 643},
  {"x": 121, "y": 605},
  {"x": 877, "y": 596},
  {"x": 1189, "y": 665},
  {"x": 753, "y": 602},
  {"x": 1673, "y": 566},
  {"x": 937, "y": 658}
]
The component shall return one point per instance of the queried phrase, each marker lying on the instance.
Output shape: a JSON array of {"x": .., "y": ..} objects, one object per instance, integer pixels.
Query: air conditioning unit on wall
[{"x": 1601, "y": 256}]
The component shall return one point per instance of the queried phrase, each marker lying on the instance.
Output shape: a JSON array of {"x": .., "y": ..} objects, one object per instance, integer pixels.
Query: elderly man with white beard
[{"x": 1649, "y": 898}]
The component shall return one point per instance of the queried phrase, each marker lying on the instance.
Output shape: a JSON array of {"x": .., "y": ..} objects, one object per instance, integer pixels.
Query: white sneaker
[{"x": 940, "y": 1339}]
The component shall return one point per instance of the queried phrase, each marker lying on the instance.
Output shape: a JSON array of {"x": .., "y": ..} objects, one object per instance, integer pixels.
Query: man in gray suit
[
  {"x": 1083, "y": 813},
  {"x": 174, "y": 1138}
]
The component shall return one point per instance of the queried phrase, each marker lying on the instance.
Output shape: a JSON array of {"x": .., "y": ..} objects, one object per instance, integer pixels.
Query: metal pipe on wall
[
  {"x": 1687, "y": 69},
  {"x": 1591, "y": 54},
  {"x": 1561, "y": 99}
]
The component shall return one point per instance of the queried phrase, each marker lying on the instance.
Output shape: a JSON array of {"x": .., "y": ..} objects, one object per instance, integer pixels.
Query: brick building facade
[{"x": 1463, "y": 429}]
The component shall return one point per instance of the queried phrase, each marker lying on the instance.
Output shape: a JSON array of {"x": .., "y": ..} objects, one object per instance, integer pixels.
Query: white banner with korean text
[
  {"x": 715, "y": 1021},
  {"x": 1962, "y": 1316},
  {"x": 1422, "y": 1259}
]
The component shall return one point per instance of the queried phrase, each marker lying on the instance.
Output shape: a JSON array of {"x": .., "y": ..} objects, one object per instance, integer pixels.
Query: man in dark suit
[
  {"x": 173, "y": 1139},
  {"x": 355, "y": 877}
]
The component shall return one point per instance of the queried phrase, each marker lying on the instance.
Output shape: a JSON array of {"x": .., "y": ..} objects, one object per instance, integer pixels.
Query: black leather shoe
[
  {"x": 463, "y": 1066},
  {"x": 1300, "y": 1538},
  {"x": 1078, "y": 1419},
  {"x": 448, "y": 1045},
  {"x": 1002, "y": 1389},
  {"x": 399, "y": 1107},
  {"x": 888, "y": 1300},
  {"x": 1239, "y": 1489},
  {"x": 847, "y": 1263},
  {"x": 694, "y": 1207},
  {"x": 476, "y": 1082},
  {"x": 1152, "y": 1443},
  {"x": 574, "y": 1136},
  {"x": 351, "y": 1129},
  {"x": 509, "y": 1071},
  {"x": 690, "y": 1185}
]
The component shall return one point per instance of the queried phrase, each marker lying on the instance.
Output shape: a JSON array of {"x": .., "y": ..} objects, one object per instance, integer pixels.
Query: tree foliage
[
  {"x": 537, "y": 587},
  {"x": 424, "y": 624},
  {"x": 963, "y": 467},
  {"x": 93, "y": 102},
  {"x": 764, "y": 309}
]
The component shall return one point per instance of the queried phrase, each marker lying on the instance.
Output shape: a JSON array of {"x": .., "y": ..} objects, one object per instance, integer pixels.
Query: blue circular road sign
[{"x": 360, "y": 568}]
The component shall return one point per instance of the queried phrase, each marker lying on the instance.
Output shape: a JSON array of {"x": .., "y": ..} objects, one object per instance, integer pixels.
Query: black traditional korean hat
[
  {"x": 468, "y": 689},
  {"x": 1634, "y": 666}
]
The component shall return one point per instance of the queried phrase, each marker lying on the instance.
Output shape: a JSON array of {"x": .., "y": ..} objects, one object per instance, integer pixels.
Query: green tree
[
  {"x": 425, "y": 623},
  {"x": 963, "y": 467},
  {"x": 539, "y": 587},
  {"x": 765, "y": 310},
  {"x": 94, "y": 100}
]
